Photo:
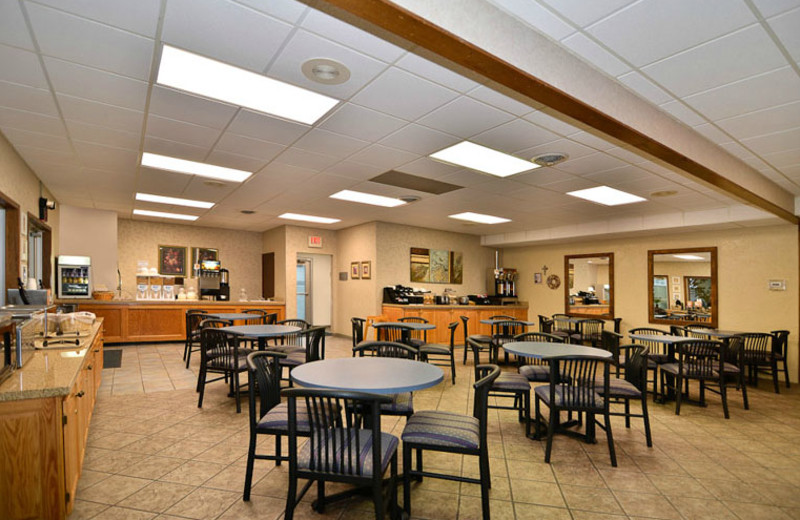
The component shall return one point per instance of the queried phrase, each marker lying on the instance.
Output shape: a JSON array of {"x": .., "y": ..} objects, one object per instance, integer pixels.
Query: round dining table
[
  {"x": 233, "y": 316},
  {"x": 377, "y": 375},
  {"x": 261, "y": 332},
  {"x": 495, "y": 320},
  {"x": 546, "y": 350},
  {"x": 410, "y": 325}
]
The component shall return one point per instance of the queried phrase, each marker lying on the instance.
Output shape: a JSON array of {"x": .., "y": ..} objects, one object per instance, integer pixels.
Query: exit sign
[{"x": 314, "y": 241}]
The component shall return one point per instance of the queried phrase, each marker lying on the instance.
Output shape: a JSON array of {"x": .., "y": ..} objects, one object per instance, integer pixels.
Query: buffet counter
[
  {"x": 133, "y": 321},
  {"x": 443, "y": 315}
]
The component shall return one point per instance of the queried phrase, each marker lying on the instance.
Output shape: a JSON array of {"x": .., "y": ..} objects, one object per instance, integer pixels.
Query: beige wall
[
  {"x": 239, "y": 251},
  {"x": 20, "y": 184},
  {"x": 274, "y": 241},
  {"x": 93, "y": 233},
  {"x": 747, "y": 259},
  {"x": 356, "y": 298}
]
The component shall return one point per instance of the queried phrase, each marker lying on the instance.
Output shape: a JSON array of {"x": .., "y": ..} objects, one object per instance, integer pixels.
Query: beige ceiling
[{"x": 78, "y": 102}]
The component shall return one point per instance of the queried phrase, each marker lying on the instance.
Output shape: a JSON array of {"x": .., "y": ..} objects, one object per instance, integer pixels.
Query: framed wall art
[
  {"x": 172, "y": 260},
  {"x": 355, "y": 270},
  {"x": 366, "y": 270}
]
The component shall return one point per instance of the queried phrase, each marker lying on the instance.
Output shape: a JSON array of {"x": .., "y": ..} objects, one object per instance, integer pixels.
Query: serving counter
[
  {"x": 45, "y": 410},
  {"x": 443, "y": 315},
  {"x": 133, "y": 321}
]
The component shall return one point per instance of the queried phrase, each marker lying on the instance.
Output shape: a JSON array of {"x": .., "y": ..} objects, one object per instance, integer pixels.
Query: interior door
[{"x": 304, "y": 283}]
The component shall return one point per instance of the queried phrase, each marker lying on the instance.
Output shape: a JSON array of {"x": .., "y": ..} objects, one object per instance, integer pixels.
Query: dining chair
[
  {"x": 442, "y": 355},
  {"x": 504, "y": 331},
  {"x": 697, "y": 331},
  {"x": 759, "y": 358},
  {"x": 401, "y": 403},
  {"x": 218, "y": 323},
  {"x": 574, "y": 388},
  {"x": 536, "y": 370},
  {"x": 219, "y": 354},
  {"x": 193, "y": 319},
  {"x": 416, "y": 338},
  {"x": 484, "y": 340},
  {"x": 610, "y": 342},
  {"x": 780, "y": 341},
  {"x": 259, "y": 316},
  {"x": 345, "y": 445},
  {"x": 562, "y": 326},
  {"x": 312, "y": 339},
  {"x": 697, "y": 360},
  {"x": 733, "y": 367},
  {"x": 292, "y": 342},
  {"x": 545, "y": 324},
  {"x": 508, "y": 385},
  {"x": 449, "y": 432},
  {"x": 632, "y": 386},
  {"x": 357, "y": 325},
  {"x": 677, "y": 330},
  {"x": 588, "y": 332},
  {"x": 658, "y": 352},
  {"x": 393, "y": 333}
]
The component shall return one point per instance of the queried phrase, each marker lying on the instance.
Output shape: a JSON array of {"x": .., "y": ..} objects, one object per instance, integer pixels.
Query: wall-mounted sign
[
  {"x": 777, "y": 285},
  {"x": 315, "y": 241}
]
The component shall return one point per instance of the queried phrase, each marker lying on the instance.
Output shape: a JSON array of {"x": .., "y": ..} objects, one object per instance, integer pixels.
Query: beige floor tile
[
  {"x": 84, "y": 510},
  {"x": 193, "y": 472},
  {"x": 701, "y": 509},
  {"x": 643, "y": 505},
  {"x": 113, "y": 489},
  {"x": 470, "y": 508},
  {"x": 534, "y": 492},
  {"x": 204, "y": 504},
  {"x": 121, "y": 513},
  {"x": 537, "y": 512},
  {"x": 598, "y": 500},
  {"x": 157, "y": 497}
]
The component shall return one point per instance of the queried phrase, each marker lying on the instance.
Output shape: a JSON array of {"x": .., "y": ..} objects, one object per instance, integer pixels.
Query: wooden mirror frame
[
  {"x": 610, "y": 314},
  {"x": 714, "y": 283}
]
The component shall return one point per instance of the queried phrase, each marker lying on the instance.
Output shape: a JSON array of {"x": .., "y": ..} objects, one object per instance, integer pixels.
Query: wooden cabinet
[{"x": 443, "y": 315}]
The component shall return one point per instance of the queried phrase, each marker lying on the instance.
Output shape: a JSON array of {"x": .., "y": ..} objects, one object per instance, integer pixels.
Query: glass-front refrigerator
[{"x": 73, "y": 276}]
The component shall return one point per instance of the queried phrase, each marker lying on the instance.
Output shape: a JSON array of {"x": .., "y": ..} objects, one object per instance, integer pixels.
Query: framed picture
[
  {"x": 172, "y": 260},
  {"x": 676, "y": 280},
  {"x": 366, "y": 270},
  {"x": 676, "y": 288},
  {"x": 675, "y": 297},
  {"x": 355, "y": 270},
  {"x": 537, "y": 277},
  {"x": 202, "y": 253}
]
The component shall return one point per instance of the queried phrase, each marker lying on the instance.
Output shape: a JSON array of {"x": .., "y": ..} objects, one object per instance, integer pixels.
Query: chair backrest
[
  {"x": 193, "y": 319},
  {"x": 697, "y": 331},
  {"x": 258, "y": 318},
  {"x": 216, "y": 345},
  {"x": 416, "y": 334},
  {"x": 609, "y": 341},
  {"x": 358, "y": 330},
  {"x": 573, "y": 382},
  {"x": 780, "y": 340},
  {"x": 504, "y": 331},
  {"x": 215, "y": 323},
  {"x": 480, "y": 403},
  {"x": 465, "y": 321},
  {"x": 336, "y": 437},
  {"x": 545, "y": 324},
  {"x": 561, "y": 322},
  {"x": 677, "y": 330},
  {"x": 636, "y": 366},
  {"x": 734, "y": 351},
  {"x": 264, "y": 383},
  {"x": 293, "y": 338},
  {"x": 539, "y": 336},
  {"x": 502, "y": 317},
  {"x": 395, "y": 333},
  {"x": 591, "y": 329},
  {"x": 654, "y": 346},
  {"x": 386, "y": 349},
  {"x": 757, "y": 346},
  {"x": 618, "y": 325},
  {"x": 312, "y": 338},
  {"x": 271, "y": 318},
  {"x": 698, "y": 358},
  {"x": 453, "y": 326}
]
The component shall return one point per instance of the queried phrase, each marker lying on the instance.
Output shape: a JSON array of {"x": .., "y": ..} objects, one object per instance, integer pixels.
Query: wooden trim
[
  {"x": 714, "y": 285},
  {"x": 419, "y": 31},
  {"x": 47, "y": 247},
  {"x": 12, "y": 241},
  {"x": 610, "y": 314}
]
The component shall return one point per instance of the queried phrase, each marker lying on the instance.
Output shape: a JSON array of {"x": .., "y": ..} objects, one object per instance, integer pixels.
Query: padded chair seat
[
  {"x": 435, "y": 428},
  {"x": 416, "y": 343},
  {"x": 563, "y": 397},
  {"x": 243, "y": 352},
  {"x": 672, "y": 368},
  {"x": 618, "y": 388},
  {"x": 401, "y": 404},
  {"x": 287, "y": 349},
  {"x": 277, "y": 420},
  {"x": 480, "y": 338},
  {"x": 433, "y": 348},
  {"x": 536, "y": 373},
  {"x": 356, "y": 455},
  {"x": 293, "y": 359},
  {"x": 227, "y": 364},
  {"x": 511, "y": 382},
  {"x": 660, "y": 359},
  {"x": 728, "y": 368}
]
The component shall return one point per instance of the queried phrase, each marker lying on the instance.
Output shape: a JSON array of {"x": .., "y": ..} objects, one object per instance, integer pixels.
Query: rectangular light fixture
[
  {"x": 149, "y": 197},
  {"x": 689, "y": 257},
  {"x": 480, "y": 218},
  {"x": 216, "y": 80},
  {"x": 367, "y": 198},
  {"x": 172, "y": 164},
  {"x": 309, "y": 218},
  {"x": 162, "y": 214},
  {"x": 606, "y": 196},
  {"x": 483, "y": 159}
]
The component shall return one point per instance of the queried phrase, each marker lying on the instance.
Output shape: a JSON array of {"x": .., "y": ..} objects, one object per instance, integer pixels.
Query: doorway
[{"x": 314, "y": 289}]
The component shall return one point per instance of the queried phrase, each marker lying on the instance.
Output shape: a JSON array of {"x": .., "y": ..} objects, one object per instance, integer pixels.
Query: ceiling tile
[
  {"x": 434, "y": 72},
  {"x": 383, "y": 157},
  {"x": 174, "y": 149},
  {"x": 773, "y": 143},
  {"x": 140, "y": 17},
  {"x": 96, "y": 85},
  {"x": 225, "y": 31},
  {"x": 188, "y": 133},
  {"x": 103, "y": 182},
  {"x": 592, "y": 140},
  {"x": 590, "y": 164},
  {"x": 246, "y": 146},
  {"x": 103, "y": 135},
  {"x": 13, "y": 29},
  {"x": 266, "y": 128},
  {"x": 37, "y": 140},
  {"x": 465, "y": 117},
  {"x": 161, "y": 182},
  {"x": 10, "y": 118},
  {"x": 356, "y": 171},
  {"x": 305, "y": 159},
  {"x": 100, "y": 114},
  {"x": 769, "y": 8},
  {"x": 198, "y": 189},
  {"x": 762, "y": 122},
  {"x": 775, "y": 87},
  {"x": 787, "y": 28},
  {"x": 566, "y": 146},
  {"x": 503, "y": 101},
  {"x": 329, "y": 143},
  {"x": 304, "y": 46},
  {"x": 20, "y": 66},
  {"x": 736, "y": 56},
  {"x": 30, "y": 99},
  {"x": 353, "y": 37},
  {"x": 536, "y": 16},
  {"x": 595, "y": 55},
  {"x": 34, "y": 155},
  {"x": 586, "y": 13},
  {"x": 547, "y": 118},
  {"x": 543, "y": 176},
  {"x": 232, "y": 160},
  {"x": 429, "y": 168},
  {"x": 361, "y": 123},
  {"x": 90, "y": 43},
  {"x": 682, "y": 113},
  {"x": 107, "y": 158},
  {"x": 645, "y": 88},
  {"x": 618, "y": 175},
  {"x": 515, "y": 136},
  {"x": 287, "y": 10},
  {"x": 668, "y": 27},
  {"x": 183, "y": 106},
  {"x": 419, "y": 139},
  {"x": 403, "y": 95}
]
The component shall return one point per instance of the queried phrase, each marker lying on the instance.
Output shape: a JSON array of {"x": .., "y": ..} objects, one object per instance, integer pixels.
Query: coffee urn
[{"x": 224, "y": 287}]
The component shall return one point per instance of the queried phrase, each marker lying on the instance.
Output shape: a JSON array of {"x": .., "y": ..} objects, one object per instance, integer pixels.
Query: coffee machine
[
  {"x": 213, "y": 281},
  {"x": 224, "y": 294}
]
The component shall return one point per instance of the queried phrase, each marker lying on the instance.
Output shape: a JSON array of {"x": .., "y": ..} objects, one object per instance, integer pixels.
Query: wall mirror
[
  {"x": 589, "y": 285},
  {"x": 683, "y": 286}
]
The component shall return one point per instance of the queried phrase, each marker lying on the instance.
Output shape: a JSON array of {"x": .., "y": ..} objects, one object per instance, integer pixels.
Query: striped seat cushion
[
  {"x": 435, "y": 428},
  {"x": 536, "y": 373},
  {"x": 618, "y": 388},
  {"x": 511, "y": 382},
  {"x": 220, "y": 363},
  {"x": 354, "y": 458},
  {"x": 277, "y": 419},
  {"x": 570, "y": 396},
  {"x": 433, "y": 348},
  {"x": 402, "y": 403}
]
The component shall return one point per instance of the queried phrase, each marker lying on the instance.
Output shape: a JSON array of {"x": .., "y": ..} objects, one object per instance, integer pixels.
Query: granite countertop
[
  {"x": 6, "y": 319},
  {"x": 85, "y": 301},
  {"x": 48, "y": 373}
]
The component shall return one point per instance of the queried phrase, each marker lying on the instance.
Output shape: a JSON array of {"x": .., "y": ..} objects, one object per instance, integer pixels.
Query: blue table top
[
  {"x": 658, "y": 338},
  {"x": 368, "y": 374},
  {"x": 261, "y": 331},
  {"x": 407, "y": 324},
  {"x": 545, "y": 350},
  {"x": 233, "y": 316},
  {"x": 492, "y": 322}
]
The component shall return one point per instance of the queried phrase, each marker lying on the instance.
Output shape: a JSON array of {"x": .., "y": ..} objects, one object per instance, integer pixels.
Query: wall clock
[{"x": 553, "y": 281}]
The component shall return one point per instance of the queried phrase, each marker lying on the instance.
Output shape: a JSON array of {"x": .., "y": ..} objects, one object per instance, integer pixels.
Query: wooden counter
[
  {"x": 443, "y": 315},
  {"x": 131, "y": 321}
]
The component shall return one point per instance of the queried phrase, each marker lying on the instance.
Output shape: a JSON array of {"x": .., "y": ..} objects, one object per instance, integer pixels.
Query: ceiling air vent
[
  {"x": 414, "y": 182},
  {"x": 550, "y": 158}
]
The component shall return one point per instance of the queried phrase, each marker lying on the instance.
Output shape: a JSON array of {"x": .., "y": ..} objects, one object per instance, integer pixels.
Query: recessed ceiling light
[
  {"x": 480, "y": 218},
  {"x": 162, "y": 214},
  {"x": 606, "y": 196},
  {"x": 689, "y": 257},
  {"x": 325, "y": 71},
  {"x": 309, "y": 218},
  {"x": 247, "y": 212},
  {"x": 664, "y": 193},
  {"x": 549, "y": 158},
  {"x": 483, "y": 159},
  {"x": 148, "y": 197},
  {"x": 367, "y": 198},
  {"x": 216, "y": 80},
  {"x": 172, "y": 164}
]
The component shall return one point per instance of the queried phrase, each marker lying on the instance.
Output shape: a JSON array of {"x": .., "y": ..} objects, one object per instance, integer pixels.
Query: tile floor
[{"x": 153, "y": 454}]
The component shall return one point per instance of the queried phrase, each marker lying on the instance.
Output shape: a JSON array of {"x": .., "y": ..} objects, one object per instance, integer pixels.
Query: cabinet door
[{"x": 72, "y": 443}]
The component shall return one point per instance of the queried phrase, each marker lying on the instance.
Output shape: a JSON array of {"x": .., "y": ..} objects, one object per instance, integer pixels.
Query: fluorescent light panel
[
  {"x": 173, "y": 164},
  {"x": 149, "y": 197},
  {"x": 480, "y": 218},
  {"x": 162, "y": 214},
  {"x": 367, "y": 198},
  {"x": 309, "y": 218},
  {"x": 606, "y": 196},
  {"x": 483, "y": 159},
  {"x": 216, "y": 80}
]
